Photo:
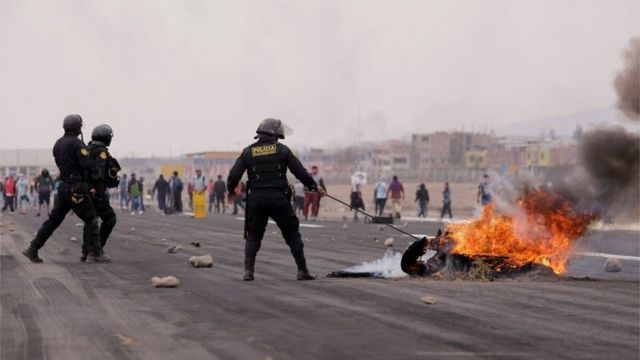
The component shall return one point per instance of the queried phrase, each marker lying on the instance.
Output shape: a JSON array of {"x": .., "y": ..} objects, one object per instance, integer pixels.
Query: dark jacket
[
  {"x": 266, "y": 163},
  {"x": 72, "y": 158}
]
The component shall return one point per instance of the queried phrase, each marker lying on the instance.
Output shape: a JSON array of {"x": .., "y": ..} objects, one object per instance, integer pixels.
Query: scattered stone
[
  {"x": 133, "y": 228},
  {"x": 195, "y": 244},
  {"x": 79, "y": 224},
  {"x": 164, "y": 241},
  {"x": 201, "y": 261},
  {"x": 124, "y": 340},
  {"x": 344, "y": 217},
  {"x": 429, "y": 300},
  {"x": 388, "y": 242},
  {"x": 173, "y": 249},
  {"x": 381, "y": 227},
  {"x": 345, "y": 226},
  {"x": 165, "y": 282},
  {"x": 274, "y": 233},
  {"x": 12, "y": 229},
  {"x": 73, "y": 238},
  {"x": 405, "y": 225},
  {"x": 333, "y": 239},
  {"x": 375, "y": 239},
  {"x": 613, "y": 265}
]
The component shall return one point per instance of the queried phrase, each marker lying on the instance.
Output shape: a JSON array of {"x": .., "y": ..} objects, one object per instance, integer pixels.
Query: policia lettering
[
  {"x": 106, "y": 176},
  {"x": 73, "y": 161},
  {"x": 269, "y": 195}
]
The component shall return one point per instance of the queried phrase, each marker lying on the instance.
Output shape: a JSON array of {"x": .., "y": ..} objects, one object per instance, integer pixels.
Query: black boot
[
  {"x": 101, "y": 258},
  {"x": 32, "y": 254},
  {"x": 303, "y": 272},
  {"x": 304, "y": 275},
  {"x": 249, "y": 264}
]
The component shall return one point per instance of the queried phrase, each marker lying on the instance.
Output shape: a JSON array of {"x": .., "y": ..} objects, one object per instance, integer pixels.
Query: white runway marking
[
  {"x": 315, "y": 226},
  {"x": 604, "y": 255}
]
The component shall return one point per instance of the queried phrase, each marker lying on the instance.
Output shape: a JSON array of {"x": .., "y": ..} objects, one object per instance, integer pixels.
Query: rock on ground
[
  {"x": 173, "y": 249},
  {"x": 613, "y": 265},
  {"x": 381, "y": 227},
  {"x": 165, "y": 282},
  {"x": 388, "y": 242},
  {"x": 428, "y": 300},
  {"x": 201, "y": 261},
  {"x": 345, "y": 226},
  {"x": 73, "y": 238}
]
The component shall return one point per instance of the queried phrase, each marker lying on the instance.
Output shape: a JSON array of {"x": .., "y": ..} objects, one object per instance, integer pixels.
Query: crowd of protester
[{"x": 21, "y": 194}]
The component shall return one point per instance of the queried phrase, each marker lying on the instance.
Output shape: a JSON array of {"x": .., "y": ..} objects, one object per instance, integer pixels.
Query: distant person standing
[
  {"x": 220, "y": 189},
  {"x": 23, "y": 187},
  {"x": 199, "y": 198},
  {"x": 212, "y": 194},
  {"x": 141, "y": 184},
  {"x": 124, "y": 192},
  {"x": 422, "y": 198},
  {"x": 44, "y": 186},
  {"x": 134, "y": 193},
  {"x": 484, "y": 191},
  {"x": 446, "y": 201},
  {"x": 176, "y": 189},
  {"x": 356, "y": 201},
  {"x": 298, "y": 197},
  {"x": 396, "y": 193},
  {"x": 162, "y": 187},
  {"x": 312, "y": 198},
  {"x": 239, "y": 197},
  {"x": 9, "y": 193},
  {"x": 380, "y": 195}
]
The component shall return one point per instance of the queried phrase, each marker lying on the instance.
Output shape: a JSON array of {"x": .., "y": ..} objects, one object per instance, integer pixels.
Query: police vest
[{"x": 266, "y": 166}]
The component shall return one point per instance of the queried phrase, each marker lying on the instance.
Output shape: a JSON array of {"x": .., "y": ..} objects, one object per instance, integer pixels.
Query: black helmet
[
  {"x": 102, "y": 133},
  {"x": 72, "y": 123},
  {"x": 273, "y": 127},
  {"x": 44, "y": 172}
]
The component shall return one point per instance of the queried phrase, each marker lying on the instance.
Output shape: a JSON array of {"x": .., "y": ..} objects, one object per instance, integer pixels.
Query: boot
[
  {"x": 304, "y": 275},
  {"x": 248, "y": 275},
  {"x": 98, "y": 258},
  {"x": 249, "y": 264},
  {"x": 303, "y": 272},
  {"x": 32, "y": 254},
  {"x": 83, "y": 258}
]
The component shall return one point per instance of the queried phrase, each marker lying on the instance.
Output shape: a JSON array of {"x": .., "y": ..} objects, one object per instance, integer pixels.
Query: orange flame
[{"x": 541, "y": 233}]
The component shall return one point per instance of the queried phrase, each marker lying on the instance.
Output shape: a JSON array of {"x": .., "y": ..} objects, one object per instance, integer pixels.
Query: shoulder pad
[{"x": 84, "y": 151}]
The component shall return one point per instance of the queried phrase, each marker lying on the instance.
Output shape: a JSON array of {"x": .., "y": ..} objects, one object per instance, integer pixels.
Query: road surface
[{"x": 64, "y": 309}]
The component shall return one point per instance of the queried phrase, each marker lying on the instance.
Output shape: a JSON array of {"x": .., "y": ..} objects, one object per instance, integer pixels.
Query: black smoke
[
  {"x": 627, "y": 82},
  {"x": 611, "y": 157}
]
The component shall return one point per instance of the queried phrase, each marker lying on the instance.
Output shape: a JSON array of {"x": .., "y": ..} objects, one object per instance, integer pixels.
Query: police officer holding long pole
[
  {"x": 268, "y": 193},
  {"x": 75, "y": 166},
  {"x": 106, "y": 177}
]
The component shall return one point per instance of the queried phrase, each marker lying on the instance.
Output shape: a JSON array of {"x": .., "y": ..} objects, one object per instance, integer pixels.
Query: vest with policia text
[{"x": 266, "y": 165}]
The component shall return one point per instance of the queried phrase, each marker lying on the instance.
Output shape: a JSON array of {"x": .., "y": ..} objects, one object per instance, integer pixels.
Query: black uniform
[
  {"x": 100, "y": 182},
  {"x": 269, "y": 195},
  {"x": 75, "y": 165}
]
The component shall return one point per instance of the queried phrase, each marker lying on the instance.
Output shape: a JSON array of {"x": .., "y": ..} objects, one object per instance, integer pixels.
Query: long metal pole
[{"x": 371, "y": 216}]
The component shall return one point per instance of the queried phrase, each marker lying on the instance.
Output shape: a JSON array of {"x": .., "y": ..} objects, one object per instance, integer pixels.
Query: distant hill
[{"x": 566, "y": 125}]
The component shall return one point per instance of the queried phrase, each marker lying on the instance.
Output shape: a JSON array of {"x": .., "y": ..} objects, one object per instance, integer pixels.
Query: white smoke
[{"x": 386, "y": 267}]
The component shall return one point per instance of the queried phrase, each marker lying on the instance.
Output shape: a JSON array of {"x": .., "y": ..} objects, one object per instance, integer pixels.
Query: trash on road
[
  {"x": 201, "y": 261},
  {"x": 388, "y": 242},
  {"x": 165, "y": 282},
  {"x": 613, "y": 265}
]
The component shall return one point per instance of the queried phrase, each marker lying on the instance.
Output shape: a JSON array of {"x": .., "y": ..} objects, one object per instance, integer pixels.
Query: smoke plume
[
  {"x": 611, "y": 157},
  {"x": 627, "y": 82}
]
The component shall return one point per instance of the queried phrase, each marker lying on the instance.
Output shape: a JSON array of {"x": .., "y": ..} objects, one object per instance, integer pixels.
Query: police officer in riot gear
[
  {"x": 75, "y": 165},
  {"x": 268, "y": 193},
  {"x": 106, "y": 177}
]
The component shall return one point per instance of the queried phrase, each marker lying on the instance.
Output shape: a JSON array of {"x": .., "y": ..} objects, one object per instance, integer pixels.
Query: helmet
[
  {"x": 44, "y": 172},
  {"x": 102, "y": 133},
  {"x": 72, "y": 123},
  {"x": 273, "y": 127}
]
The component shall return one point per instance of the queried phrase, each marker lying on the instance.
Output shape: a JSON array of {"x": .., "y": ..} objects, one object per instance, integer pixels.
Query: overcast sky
[{"x": 178, "y": 76}]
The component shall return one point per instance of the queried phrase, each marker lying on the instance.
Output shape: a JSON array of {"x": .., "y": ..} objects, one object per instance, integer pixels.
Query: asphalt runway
[{"x": 64, "y": 309}]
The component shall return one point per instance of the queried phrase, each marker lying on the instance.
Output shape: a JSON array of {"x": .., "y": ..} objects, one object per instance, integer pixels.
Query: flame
[{"x": 540, "y": 232}]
